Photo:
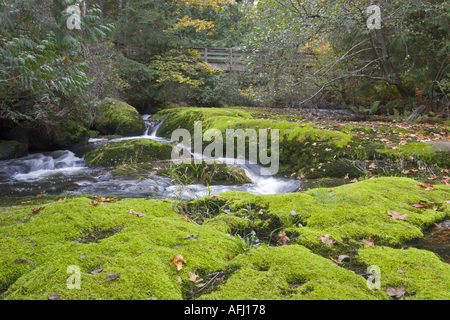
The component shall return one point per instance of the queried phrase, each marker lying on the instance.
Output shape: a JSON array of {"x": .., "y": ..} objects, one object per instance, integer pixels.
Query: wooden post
[
  {"x": 231, "y": 59},
  {"x": 206, "y": 54}
]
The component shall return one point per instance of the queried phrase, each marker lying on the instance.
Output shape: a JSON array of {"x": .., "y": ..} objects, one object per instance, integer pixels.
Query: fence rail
[{"x": 227, "y": 59}]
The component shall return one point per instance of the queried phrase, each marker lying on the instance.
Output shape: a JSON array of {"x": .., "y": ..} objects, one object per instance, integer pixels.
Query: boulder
[
  {"x": 116, "y": 117},
  {"x": 69, "y": 134},
  {"x": 12, "y": 150},
  {"x": 127, "y": 152}
]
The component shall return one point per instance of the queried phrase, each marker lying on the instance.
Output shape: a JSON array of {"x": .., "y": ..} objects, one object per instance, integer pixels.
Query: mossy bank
[{"x": 37, "y": 248}]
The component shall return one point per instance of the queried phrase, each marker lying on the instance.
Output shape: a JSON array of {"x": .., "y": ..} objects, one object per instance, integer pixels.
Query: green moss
[
  {"x": 70, "y": 134},
  {"x": 289, "y": 272},
  {"x": 348, "y": 213},
  {"x": 119, "y": 118},
  {"x": 128, "y": 151},
  {"x": 34, "y": 256},
  {"x": 425, "y": 275}
]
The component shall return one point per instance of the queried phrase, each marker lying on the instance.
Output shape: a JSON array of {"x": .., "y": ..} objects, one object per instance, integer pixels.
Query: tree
[
  {"x": 42, "y": 60},
  {"x": 345, "y": 49}
]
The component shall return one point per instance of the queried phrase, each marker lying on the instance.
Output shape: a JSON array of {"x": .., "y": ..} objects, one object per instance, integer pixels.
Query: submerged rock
[
  {"x": 12, "y": 150},
  {"x": 118, "y": 118}
]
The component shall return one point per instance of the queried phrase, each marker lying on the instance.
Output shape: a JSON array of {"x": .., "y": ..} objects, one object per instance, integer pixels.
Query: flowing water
[{"x": 57, "y": 171}]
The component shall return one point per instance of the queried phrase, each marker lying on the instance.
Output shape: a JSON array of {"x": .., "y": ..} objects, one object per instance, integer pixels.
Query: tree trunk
[
  {"x": 118, "y": 24},
  {"x": 125, "y": 34},
  {"x": 417, "y": 113},
  {"x": 83, "y": 8},
  {"x": 102, "y": 9},
  {"x": 389, "y": 70}
]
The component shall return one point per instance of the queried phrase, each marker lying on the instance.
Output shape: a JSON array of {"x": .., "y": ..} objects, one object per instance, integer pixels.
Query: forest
[{"x": 224, "y": 150}]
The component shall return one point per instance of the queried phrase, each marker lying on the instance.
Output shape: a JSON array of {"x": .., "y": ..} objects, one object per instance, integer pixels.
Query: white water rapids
[{"x": 57, "y": 171}]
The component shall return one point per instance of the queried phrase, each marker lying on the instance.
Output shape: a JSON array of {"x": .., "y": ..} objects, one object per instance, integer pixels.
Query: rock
[
  {"x": 67, "y": 135},
  {"x": 12, "y": 150},
  {"x": 128, "y": 151},
  {"x": 417, "y": 113},
  {"x": 116, "y": 117}
]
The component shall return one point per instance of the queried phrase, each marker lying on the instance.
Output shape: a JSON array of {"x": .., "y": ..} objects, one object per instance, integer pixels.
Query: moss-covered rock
[
  {"x": 206, "y": 174},
  {"x": 128, "y": 151},
  {"x": 68, "y": 134},
  {"x": 349, "y": 213},
  {"x": 36, "y": 250},
  {"x": 12, "y": 150},
  {"x": 117, "y": 117},
  {"x": 290, "y": 273}
]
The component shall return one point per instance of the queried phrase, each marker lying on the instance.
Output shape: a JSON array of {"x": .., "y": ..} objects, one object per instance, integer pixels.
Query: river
[{"x": 64, "y": 170}]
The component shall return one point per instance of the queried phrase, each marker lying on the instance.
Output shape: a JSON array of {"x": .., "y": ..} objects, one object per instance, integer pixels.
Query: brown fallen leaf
[
  {"x": 95, "y": 271},
  {"x": 369, "y": 241},
  {"x": 346, "y": 177},
  {"x": 53, "y": 296},
  {"x": 420, "y": 206},
  {"x": 39, "y": 196},
  {"x": 37, "y": 209},
  {"x": 438, "y": 226},
  {"x": 193, "y": 277},
  {"x": 399, "y": 293},
  {"x": 406, "y": 171},
  {"x": 326, "y": 239},
  {"x": 229, "y": 257},
  {"x": 396, "y": 215},
  {"x": 113, "y": 276},
  {"x": 83, "y": 256},
  {"x": 354, "y": 180},
  {"x": 214, "y": 196},
  {"x": 93, "y": 203},
  {"x": 334, "y": 260},
  {"x": 448, "y": 201},
  {"x": 343, "y": 257},
  {"x": 400, "y": 271},
  {"x": 427, "y": 187},
  {"x": 282, "y": 239},
  {"x": 178, "y": 261}
]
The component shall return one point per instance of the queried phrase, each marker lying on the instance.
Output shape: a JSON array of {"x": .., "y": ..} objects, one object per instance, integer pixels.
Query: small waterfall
[{"x": 155, "y": 131}]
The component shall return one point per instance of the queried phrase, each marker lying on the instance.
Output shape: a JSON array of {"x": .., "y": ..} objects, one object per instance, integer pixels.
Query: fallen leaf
[
  {"x": 113, "y": 276},
  {"x": 93, "y": 203},
  {"x": 229, "y": 257},
  {"x": 354, "y": 180},
  {"x": 179, "y": 279},
  {"x": 334, "y": 260},
  {"x": 193, "y": 277},
  {"x": 83, "y": 256},
  {"x": 369, "y": 241},
  {"x": 406, "y": 171},
  {"x": 282, "y": 239},
  {"x": 427, "y": 187},
  {"x": 39, "y": 195},
  {"x": 448, "y": 201},
  {"x": 373, "y": 166},
  {"x": 346, "y": 177},
  {"x": 439, "y": 227},
  {"x": 178, "y": 262},
  {"x": 400, "y": 271},
  {"x": 420, "y": 206},
  {"x": 343, "y": 257},
  {"x": 95, "y": 271},
  {"x": 53, "y": 296},
  {"x": 4, "y": 211},
  {"x": 326, "y": 239},
  {"x": 396, "y": 215},
  {"x": 399, "y": 293},
  {"x": 214, "y": 196},
  {"x": 37, "y": 209}
]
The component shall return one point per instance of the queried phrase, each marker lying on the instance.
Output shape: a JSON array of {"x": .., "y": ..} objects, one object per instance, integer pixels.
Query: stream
[{"x": 63, "y": 170}]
